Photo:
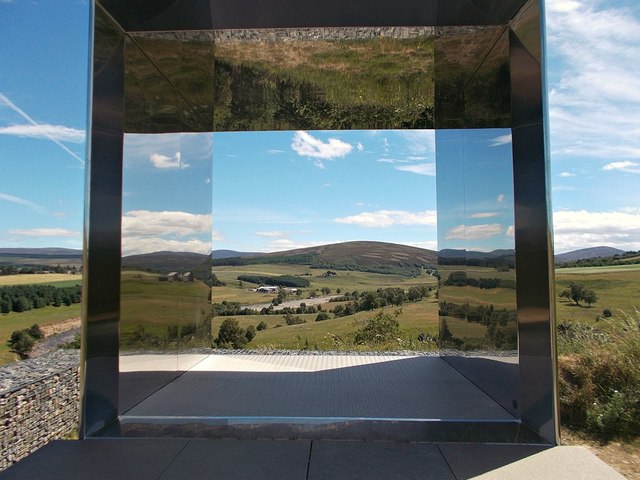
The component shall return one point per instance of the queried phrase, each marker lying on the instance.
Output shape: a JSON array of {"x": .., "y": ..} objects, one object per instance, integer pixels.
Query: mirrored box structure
[{"x": 472, "y": 70}]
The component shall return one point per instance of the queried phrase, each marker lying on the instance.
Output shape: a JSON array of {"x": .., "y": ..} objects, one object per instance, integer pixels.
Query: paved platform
[{"x": 175, "y": 459}]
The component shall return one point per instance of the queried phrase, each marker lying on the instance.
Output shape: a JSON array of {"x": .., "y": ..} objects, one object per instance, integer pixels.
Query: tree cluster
[
  {"x": 577, "y": 292},
  {"x": 382, "y": 297},
  {"x": 20, "y": 298},
  {"x": 280, "y": 281},
  {"x": 22, "y": 341},
  {"x": 32, "y": 269}
]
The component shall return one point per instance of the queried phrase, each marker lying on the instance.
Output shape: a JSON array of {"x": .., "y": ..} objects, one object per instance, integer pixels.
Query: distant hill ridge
[{"x": 587, "y": 253}]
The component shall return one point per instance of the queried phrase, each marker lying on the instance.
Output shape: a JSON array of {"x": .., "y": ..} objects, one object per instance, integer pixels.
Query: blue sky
[{"x": 594, "y": 104}]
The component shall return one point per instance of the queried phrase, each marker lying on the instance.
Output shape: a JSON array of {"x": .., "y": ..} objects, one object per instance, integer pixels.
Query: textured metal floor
[{"x": 379, "y": 387}]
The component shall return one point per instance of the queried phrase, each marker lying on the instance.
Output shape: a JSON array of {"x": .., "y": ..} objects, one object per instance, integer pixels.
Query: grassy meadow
[
  {"x": 617, "y": 288},
  {"x": 156, "y": 306}
]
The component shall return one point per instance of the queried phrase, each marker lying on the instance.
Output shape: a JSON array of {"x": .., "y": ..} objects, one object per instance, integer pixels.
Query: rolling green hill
[{"x": 361, "y": 256}]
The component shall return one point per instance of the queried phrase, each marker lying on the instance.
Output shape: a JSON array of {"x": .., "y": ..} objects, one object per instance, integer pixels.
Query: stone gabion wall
[{"x": 39, "y": 402}]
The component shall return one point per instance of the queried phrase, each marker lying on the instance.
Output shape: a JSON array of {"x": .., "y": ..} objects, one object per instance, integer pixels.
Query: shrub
[
  {"x": 21, "y": 343},
  {"x": 291, "y": 320},
  {"x": 251, "y": 333},
  {"x": 231, "y": 335},
  {"x": 322, "y": 316},
  {"x": 380, "y": 328},
  {"x": 261, "y": 326},
  {"x": 35, "y": 332},
  {"x": 599, "y": 373}
]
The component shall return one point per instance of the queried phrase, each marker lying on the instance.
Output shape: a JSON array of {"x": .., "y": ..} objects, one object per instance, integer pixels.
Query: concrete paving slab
[
  {"x": 558, "y": 463},
  {"x": 103, "y": 459},
  {"x": 468, "y": 460},
  {"x": 377, "y": 461},
  {"x": 241, "y": 460}
]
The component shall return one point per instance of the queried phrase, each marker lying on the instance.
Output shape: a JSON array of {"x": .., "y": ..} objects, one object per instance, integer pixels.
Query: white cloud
[
  {"x": 45, "y": 131},
  {"x": 21, "y": 201},
  {"x": 501, "y": 198},
  {"x": 389, "y": 218},
  {"x": 566, "y": 174},
  {"x": 45, "y": 232},
  {"x": 150, "y": 223},
  {"x": 428, "y": 169},
  {"x": 484, "y": 215},
  {"x": 307, "y": 145},
  {"x": 624, "y": 166},
  {"x": 140, "y": 147},
  {"x": 582, "y": 228},
  {"x": 272, "y": 234},
  {"x": 501, "y": 140},
  {"x": 511, "y": 231},
  {"x": 360, "y": 147},
  {"x": 474, "y": 232},
  {"x": 217, "y": 235},
  {"x": 162, "y": 161},
  {"x": 595, "y": 99},
  {"x": 282, "y": 244}
]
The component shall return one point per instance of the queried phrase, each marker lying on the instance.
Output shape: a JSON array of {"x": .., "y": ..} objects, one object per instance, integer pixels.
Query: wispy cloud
[
  {"x": 272, "y": 234},
  {"x": 45, "y": 232},
  {"x": 595, "y": 100},
  {"x": 428, "y": 169},
  {"x": 484, "y": 215},
  {"x": 46, "y": 131},
  {"x": 501, "y": 198},
  {"x": 307, "y": 145},
  {"x": 566, "y": 174},
  {"x": 501, "y": 140},
  {"x": 57, "y": 132},
  {"x": 474, "y": 232},
  {"x": 21, "y": 201},
  {"x": 390, "y": 218},
  {"x": 574, "y": 229},
  {"x": 164, "y": 162},
  {"x": 624, "y": 166}
]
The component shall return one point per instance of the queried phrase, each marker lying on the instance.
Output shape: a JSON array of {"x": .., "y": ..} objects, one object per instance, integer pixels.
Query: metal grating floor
[{"x": 377, "y": 387}]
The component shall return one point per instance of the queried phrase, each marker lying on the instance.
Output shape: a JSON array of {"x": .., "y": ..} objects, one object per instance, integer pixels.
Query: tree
[
  {"x": 322, "y": 316},
  {"x": 326, "y": 290},
  {"x": 231, "y": 335},
  {"x": 251, "y": 333},
  {"x": 21, "y": 343},
  {"x": 36, "y": 332},
  {"x": 261, "y": 326},
  {"x": 380, "y": 328},
  {"x": 589, "y": 296},
  {"x": 577, "y": 293}
]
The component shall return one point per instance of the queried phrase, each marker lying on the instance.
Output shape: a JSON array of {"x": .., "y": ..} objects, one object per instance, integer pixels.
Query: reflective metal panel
[
  {"x": 472, "y": 78},
  {"x": 168, "y": 82},
  {"x": 165, "y": 314},
  {"x": 100, "y": 306},
  {"x": 534, "y": 245},
  {"x": 476, "y": 259},
  {"x": 385, "y": 79},
  {"x": 324, "y": 79}
]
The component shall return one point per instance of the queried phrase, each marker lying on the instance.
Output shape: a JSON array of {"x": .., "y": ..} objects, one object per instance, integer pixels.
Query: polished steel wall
[{"x": 180, "y": 67}]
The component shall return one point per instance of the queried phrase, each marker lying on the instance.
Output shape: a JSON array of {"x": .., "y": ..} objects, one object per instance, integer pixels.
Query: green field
[
  {"x": 347, "y": 281},
  {"x": 17, "y": 321},
  {"x": 416, "y": 318},
  {"x": 617, "y": 288},
  {"x": 157, "y": 305}
]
